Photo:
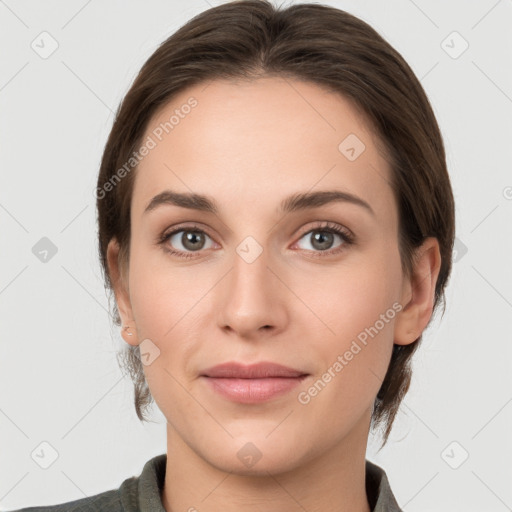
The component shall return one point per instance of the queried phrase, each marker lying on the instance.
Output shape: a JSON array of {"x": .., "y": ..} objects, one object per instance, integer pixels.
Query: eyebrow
[{"x": 295, "y": 202}]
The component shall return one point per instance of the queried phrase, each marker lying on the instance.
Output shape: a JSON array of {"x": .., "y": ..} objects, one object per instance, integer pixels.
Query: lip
[
  {"x": 261, "y": 370},
  {"x": 252, "y": 383}
]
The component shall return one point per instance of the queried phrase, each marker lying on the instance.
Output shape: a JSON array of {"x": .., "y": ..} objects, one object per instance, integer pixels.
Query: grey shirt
[{"x": 142, "y": 493}]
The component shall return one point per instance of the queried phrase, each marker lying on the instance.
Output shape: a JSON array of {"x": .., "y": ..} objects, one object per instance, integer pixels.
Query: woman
[{"x": 276, "y": 223}]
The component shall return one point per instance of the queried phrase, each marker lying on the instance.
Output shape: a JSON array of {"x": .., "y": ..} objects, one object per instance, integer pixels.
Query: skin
[{"x": 248, "y": 146}]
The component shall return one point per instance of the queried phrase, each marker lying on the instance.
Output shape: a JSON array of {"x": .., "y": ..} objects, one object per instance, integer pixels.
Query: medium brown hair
[{"x": 248, "y": 39}]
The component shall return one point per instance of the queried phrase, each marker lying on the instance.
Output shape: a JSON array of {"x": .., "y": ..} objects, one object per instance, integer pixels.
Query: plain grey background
[{"x": 60, "y": 384}]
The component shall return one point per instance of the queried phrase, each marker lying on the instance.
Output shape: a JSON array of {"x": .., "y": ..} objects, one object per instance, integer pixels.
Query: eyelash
[{"x": 327, "y": 227}]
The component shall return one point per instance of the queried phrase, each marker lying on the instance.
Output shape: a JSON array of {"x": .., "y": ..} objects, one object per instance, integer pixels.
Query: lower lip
[{"x": 250, "y": 391}]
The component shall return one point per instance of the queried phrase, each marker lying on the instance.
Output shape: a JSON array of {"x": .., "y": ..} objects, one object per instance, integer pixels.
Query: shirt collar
[
  {"x": 143, "y": 493},
  {"x": 378, "y": 490}
]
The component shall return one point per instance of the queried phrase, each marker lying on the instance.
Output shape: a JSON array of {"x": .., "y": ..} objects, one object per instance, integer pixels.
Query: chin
[
  {"x": 263, "y": 467},
  {"x": 255, "y": 456}
]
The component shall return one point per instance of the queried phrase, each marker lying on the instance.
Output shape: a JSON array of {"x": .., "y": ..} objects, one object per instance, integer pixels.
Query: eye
[
  {"x": 321, "y": 238},
  {"x": 191, "y": 239},
  {"x": 185, "y": 241}
]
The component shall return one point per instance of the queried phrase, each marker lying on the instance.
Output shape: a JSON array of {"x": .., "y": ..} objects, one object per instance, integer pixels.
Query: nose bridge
[
  {"x": 252, "y": 298},
  {"x": 250, "y": 275}
]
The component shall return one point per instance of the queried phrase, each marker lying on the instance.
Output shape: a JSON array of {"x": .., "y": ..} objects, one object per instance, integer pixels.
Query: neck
[{"x": 332, "y": 481}]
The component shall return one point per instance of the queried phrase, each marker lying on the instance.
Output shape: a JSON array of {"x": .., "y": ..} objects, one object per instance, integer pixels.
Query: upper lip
[{"x": 254, "y": 371}]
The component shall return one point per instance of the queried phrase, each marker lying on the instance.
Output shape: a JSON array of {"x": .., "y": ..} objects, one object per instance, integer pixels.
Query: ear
[
  {"x": 119, "y": 279},
  {"x": 418, "y": 293}
]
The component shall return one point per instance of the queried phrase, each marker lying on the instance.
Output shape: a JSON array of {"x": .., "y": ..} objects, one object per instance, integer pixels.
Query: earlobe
[
  {"x": 418, "y": 293},
  {"x": 128, "y": 335},
  {"x": 122, "y": 296}
]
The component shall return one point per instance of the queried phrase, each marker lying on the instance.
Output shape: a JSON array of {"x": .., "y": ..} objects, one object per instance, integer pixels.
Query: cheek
[
  {"x": 168, "y": 305},
  {"x": 355, "y": 313},
  {"x": 168, "y": 311},
  {"x": 347, "y": 299},
  {"x": 352, "y": 360},
  {"x": 159, "y": 295}
]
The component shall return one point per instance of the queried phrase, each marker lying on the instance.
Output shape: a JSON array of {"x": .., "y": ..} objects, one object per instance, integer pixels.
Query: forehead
[{"x": 260, "y": 141}]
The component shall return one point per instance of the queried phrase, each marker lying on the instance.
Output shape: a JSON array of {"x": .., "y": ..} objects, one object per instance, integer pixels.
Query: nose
[{"x": 252, "y": 301}]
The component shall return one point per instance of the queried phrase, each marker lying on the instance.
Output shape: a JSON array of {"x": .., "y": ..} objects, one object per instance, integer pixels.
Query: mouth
[{"x": 253, "y": 383}]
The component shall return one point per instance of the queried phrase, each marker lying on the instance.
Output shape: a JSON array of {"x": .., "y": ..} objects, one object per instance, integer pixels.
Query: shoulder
[
  {"x": 108, "y": 500},
  {"x": 123, "y": 499},
  {"x": 134, "y": 494}
]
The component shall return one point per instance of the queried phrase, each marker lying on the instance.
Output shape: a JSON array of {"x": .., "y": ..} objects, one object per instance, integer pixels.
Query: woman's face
[{"x": 260, "y": 283}]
